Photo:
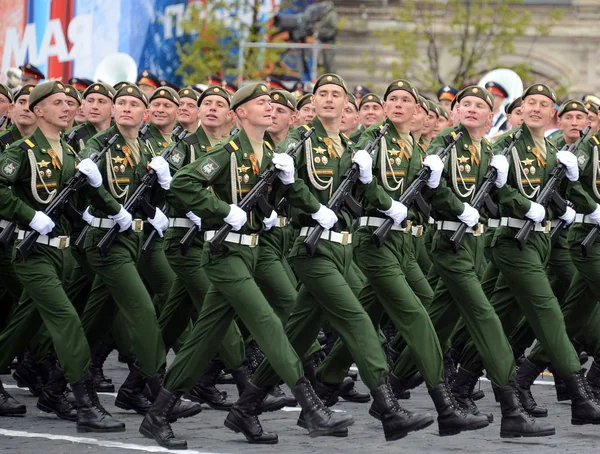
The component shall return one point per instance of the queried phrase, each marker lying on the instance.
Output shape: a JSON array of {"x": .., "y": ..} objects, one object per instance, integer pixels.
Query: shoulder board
[
  {"x": 233, "y": 145},
  {"x": 81, "y": 133},
  {"x": 105, "y": 137},
  {"x": 302, "y": 129},
  {"x": 269, "y": 146},
  {"x": 192, "y": 139},
  {"x": 7, "y": 138},
  {"x": 27, "y": 144},
  {"x": 595, "y": 139},
  {"x": 344, "y": 136}
]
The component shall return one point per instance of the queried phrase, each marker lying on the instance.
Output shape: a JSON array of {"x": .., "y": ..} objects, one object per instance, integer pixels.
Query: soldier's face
[
  {"x": 80, "y": 115},
  {"x": 418, "y": 120},
  {"x": 350, "y": 119},
  {"x": 537, "y": 111},
  {"x": 188, "y": 112},
  {"x": 97, "y": 108},
  {"x": 329, "y": 101},
  {"x": 163, "y": 112},
  {"x": 442, "y": 123},
  {"x": 571, "y": 123},
  {"x": 400, "y": 107},
  {"x": 73, "y": 106},
  {"x": 306, "y": 114},
  {"x": 20, "y": 113},
  {"x": 54, "y": 110},
  {"x": 213, "y": 111},
  {"x": 281, "y": 119},
  {"x": 371, "y": 113},
  {"x": 515, "y": 118},
  {"x": 474, "y": 112},
  {"x": 430, "y": 123},
  {"x": 257, "y": 111},
  {"x": 4, "y": 105},
  {"x": 129, "y": 111},
  {"x": 446, "y": 104},
  {"x": 146, "y": 89},
  {"x": 594, "y": 122}
]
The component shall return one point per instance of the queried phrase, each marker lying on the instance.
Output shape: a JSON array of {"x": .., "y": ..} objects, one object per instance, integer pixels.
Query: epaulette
[
  {"x": 27, "y": 145},
  {"x": 302, "y": 129},
  {"x": 105, "y": 137},
  {"x": 268, "y": 145},
  {"x": 192, "y": 139},
  {"x": 595, "y": 139},
  {"x": 233, "y": 145},
  {"x": 7, "y": 138}
]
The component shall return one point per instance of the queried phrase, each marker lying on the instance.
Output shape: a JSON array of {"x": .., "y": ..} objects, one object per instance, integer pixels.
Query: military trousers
[
  {"x": 156, "y": 273},
  {"x": 117, "y": 276},
  {"x": 389, "y": 290},
  {"x": 326, "y": 295},
  {"x": 523, "y": 273},
  {"x": 233, "y": 290},
  {"x": 192, "y": 279},
  {"x": 44, "y": 301},
  {"x": 459, "y": 293}
]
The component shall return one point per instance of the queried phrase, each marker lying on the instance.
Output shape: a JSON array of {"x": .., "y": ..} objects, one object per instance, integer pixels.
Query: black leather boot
[
  {"x": 182, "y": 409},
  {"x": 584, "y": 408},
  {"x": 254, "y": 356},
  {"x": 319, "y": 419},
  {"x": 28, "y": 375},
  {"x": 9, "y": 406},
  {"x": 52, "y": 398},
  {"x": 310, "y": 365},
  {"x": 91, "y": 415},
  {"x": 242, "y": 376},
  {"x": 99, "y": 354},
  {"x": 449, "y": 366},
  {"x": 329, "y": 396},
  {"x": 526, "y": 375},
  {"x": 399, "y": 386},
  {"x": 353, "y": 395},
  {"x": 516, "y": 422},
  {"x": 278, "y": 393},
  {"x": 243, "y": 416},
  {"x": 462, "y": 389},
  {"x": 397, "y": 422},
  {"x": 204, "y": 391},
  {"x": 593, "y": 379},
  {"x": 156, "y": 421},
  {"x": 451, "y": 419},
  {"x": 131, "y": 393},
  {"x": 562, "y": 394}
]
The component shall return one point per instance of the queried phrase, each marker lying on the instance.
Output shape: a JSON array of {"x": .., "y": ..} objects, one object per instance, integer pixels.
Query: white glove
[
  {"x": 161, "y": 167},
  {"x": 469, "y": 216},
  {"x": 500, "y": 163},
  {"x": 595, "y": 215},
  {"x": 41, "y": 223},
  {"x": 90, "y": 170},
  {"x": 436, "y": 165},
  {"x": 195, "y": 219},
  {"x": 569, "y": 215},
  {"x": 270, "y": 221},
  {"x": 569, "y": 160},
  {"x": 365, "y": 165},
  {"x": 87, "y": 217},
  {"x": 160, "y": 222},
  {"x": 397, "y": 212},
  {"x": 536, "y": 213},
  {"x": 236, "y": 217},
  {"x": 325, "y": 217},
  {"x": 285, "y": 164},
  {"x": 123, "y": 218}
]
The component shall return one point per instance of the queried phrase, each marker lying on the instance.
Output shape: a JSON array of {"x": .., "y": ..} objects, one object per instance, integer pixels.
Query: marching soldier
[
  {"x": 428, "y": 131},
  {"x": 187, "y": 114},
  {"x": 306, "y": 110},
  {"x": 31, "y": 174},
  {"x": 350, "y": 118},
  {"x": 231, "y": 170},
  {"x": 5, "y": 103},
  {"x": 24, "y": 122},
  {"x": 593, "y": 110},
  {"x": 74, "y": 103},
  {"x": 370, "y": 110}
]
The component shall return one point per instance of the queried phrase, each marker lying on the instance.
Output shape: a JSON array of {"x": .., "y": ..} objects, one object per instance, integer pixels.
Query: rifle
[
  {"x": 549, "y": 193},
  {"x": 483, "y": 195},
  {"x": 147, "y": 246},
  {"x": 70, "y": 137},
  {"x": 59, "y": 204},
  {"x": 138, "y": 199},
  {"x": 413, "y": 194},
  {"x": 256, "y": 196},
  {"x": 343, "y": 195}
]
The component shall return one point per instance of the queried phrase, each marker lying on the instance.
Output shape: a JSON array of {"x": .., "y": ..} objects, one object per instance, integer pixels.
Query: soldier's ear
[{"x": 312, "y": 99}]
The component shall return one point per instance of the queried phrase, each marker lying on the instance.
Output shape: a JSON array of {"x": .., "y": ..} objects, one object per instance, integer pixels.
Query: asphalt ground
[{"x": 40, "y": 432}]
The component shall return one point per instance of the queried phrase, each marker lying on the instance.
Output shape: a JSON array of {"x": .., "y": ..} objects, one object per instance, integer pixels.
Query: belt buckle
[
  {"x": 137, "y": 225},
  {"x": 345, "y": 238},
  {"x": 479, "y": 230},
  {"x": 408, "y": 228},
  {"x": 253, "y": 240},
  {"x": 62, "y": 242},
  {"x": 547, "y": 227},
  {"x": 419, "y": 231}
]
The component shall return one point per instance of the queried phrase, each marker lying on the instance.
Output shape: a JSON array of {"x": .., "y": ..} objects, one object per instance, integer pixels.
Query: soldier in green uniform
[
  {"x": 351, "y": 119},
  {"x": 523, "y": 272},
  {"x": 74, "y": 102},
  {"x": 306, "y": 110},
  {"x": 231, "y": 170},
  {"x": 459, "y": 287},
  {"x": 32, "y": 172},
  {"x": 370, "y": 110},
  {"x": 122, "y": 169},
  {"x": 5, "y": 103},
  {"x": 395, "y": 283},
  {"x": 187, "y": 114},
  {"x": 23, "y": 121},
  {"x": 593, "y": 111}
]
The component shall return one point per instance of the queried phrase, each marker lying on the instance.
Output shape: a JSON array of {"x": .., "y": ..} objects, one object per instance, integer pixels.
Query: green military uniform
[
  {"x": 459, "y": 286},
  {"x": 523, "y": 272},
  {"x": 395, "y": 282},
  {"x": 116, "y": 274}
]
